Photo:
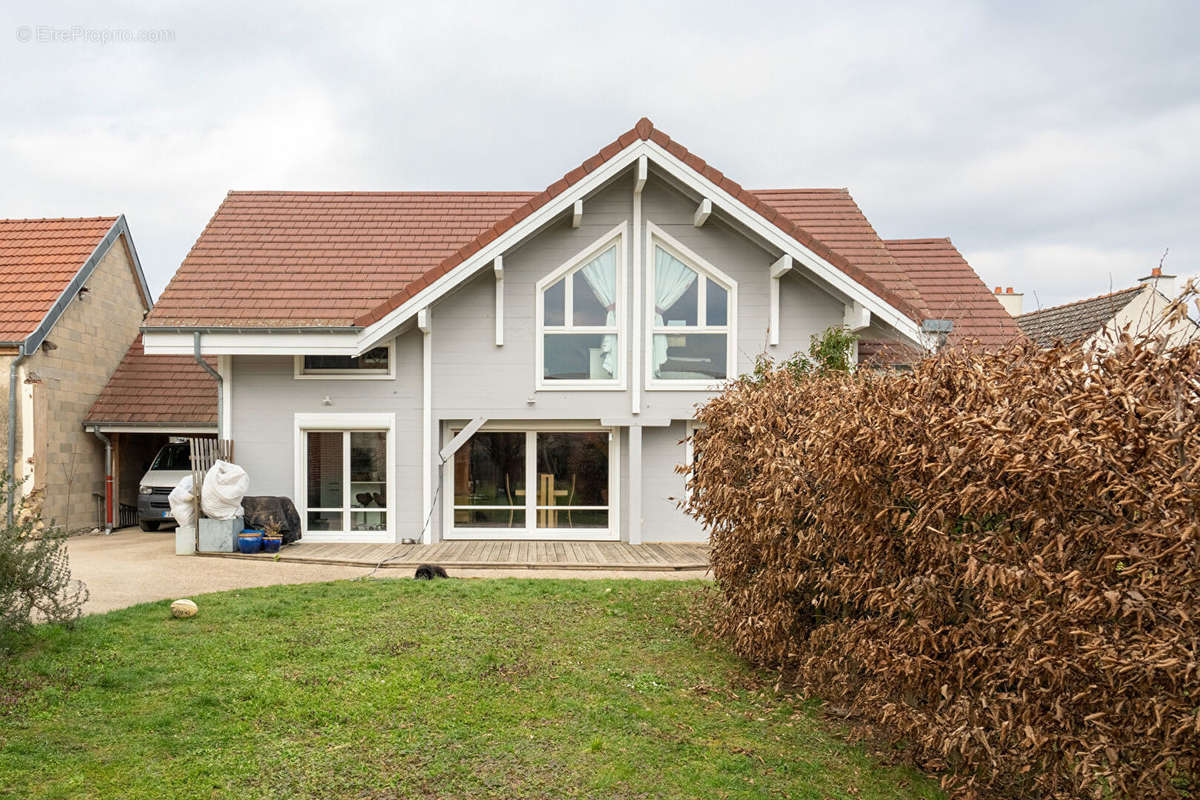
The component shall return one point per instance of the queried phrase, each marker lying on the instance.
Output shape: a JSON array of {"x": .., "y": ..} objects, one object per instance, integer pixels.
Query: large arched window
[
  {"x": 692, "y": 342},
  {"x": 579, "y": 316}
]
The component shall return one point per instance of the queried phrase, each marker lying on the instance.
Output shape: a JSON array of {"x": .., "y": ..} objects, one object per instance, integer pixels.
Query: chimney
[
  {"x": 1012, "y": 301},
  {"x": 1163, "y": 283}
]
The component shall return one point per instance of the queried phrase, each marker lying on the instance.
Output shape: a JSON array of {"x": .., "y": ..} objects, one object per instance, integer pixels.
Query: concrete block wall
[
  {"x": 91, "y": 337},
  {"x": 5, "y": 362}
]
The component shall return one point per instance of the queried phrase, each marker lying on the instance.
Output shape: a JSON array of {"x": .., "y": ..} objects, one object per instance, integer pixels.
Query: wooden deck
[{"x": 497, "y": 555}]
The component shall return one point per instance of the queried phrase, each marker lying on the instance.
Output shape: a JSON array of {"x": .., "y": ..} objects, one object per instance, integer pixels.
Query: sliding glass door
[{"x": 541, "y": 484}]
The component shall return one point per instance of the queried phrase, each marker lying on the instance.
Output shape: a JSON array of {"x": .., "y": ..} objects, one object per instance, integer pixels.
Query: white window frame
[
  {"x": 344, "y": 423},
  {"x": 301, "y": 374},
  {"x": 657, "y": 237},
  {"x": 531, "y": 532},
  {"x": 615, "y": 237}
]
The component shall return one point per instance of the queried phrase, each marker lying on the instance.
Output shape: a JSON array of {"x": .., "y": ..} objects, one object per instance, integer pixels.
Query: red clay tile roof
[
  {"x": 1071, "y": 322},
  {"x": 832, "y": 216},
  {"x": 951, "y": 290},
  {"x": 38, "y": 258},
  {"x": 156, "y": 390},
  {"x": 312, "y": 259}
]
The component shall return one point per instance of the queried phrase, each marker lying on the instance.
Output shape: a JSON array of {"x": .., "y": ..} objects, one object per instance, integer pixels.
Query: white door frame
[
  {"x": 531, "y": 532},
  {"x": 336, "y": 422}
]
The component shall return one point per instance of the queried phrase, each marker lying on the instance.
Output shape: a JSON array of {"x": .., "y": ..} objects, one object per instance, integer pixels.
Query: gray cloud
[{"x": 1055, "y": 144}]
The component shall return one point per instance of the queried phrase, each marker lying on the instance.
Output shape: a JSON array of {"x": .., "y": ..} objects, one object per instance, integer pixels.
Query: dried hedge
[{"x": 993, "y": 560}]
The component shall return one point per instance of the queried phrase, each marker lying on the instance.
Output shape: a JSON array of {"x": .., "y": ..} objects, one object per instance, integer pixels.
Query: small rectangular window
[
  {"x": 375, "y": 363},
  {"x": 374, "y": 360}
]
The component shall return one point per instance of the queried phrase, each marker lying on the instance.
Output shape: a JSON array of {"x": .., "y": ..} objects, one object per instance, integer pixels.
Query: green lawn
[{"x": 397, "y": 689}]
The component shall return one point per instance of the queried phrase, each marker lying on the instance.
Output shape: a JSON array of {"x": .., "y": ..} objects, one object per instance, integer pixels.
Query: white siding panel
[
  {"x": 266, "y": 398},
  {"x": 663, "y": 488}
]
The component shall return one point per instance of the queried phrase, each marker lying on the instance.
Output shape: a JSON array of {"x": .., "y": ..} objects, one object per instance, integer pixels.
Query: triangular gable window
[
  {"x": 580, "y": 319},
  {"x": 691, "y": 326}
]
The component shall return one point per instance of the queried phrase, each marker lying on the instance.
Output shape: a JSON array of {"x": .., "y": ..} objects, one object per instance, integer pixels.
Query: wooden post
[{"x": 204, "y": 453}]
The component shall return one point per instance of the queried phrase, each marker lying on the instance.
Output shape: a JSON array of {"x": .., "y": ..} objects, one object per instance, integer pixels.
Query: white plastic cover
[
  {"x": 183, "y": 502},
  {"x": 224, "y": 487}
]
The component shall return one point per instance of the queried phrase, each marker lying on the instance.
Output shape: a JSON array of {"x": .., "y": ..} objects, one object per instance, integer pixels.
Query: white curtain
[
  {"x": 601, "y": 276},
  {"x": 671, "y": 279}
]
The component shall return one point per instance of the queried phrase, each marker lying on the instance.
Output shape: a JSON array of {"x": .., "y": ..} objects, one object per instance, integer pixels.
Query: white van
[{"x": 172, "y": 463}]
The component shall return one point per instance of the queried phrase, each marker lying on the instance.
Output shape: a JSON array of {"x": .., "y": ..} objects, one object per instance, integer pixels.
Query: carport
[{"x": 147, "y": 401}]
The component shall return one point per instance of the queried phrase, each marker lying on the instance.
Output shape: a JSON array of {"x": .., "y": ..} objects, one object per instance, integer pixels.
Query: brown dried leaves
[{"x": 994, "y": 559}]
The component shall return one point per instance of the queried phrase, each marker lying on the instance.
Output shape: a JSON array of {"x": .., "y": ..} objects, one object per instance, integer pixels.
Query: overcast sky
[{"x": 1058, "y": 144}]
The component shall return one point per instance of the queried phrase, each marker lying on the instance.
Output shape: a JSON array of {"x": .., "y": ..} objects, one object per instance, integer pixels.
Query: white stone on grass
[{"x": 184, "y": 609}]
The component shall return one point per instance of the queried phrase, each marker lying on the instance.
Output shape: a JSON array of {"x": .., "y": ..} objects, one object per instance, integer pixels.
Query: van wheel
[{"x": 149, "y": 527}]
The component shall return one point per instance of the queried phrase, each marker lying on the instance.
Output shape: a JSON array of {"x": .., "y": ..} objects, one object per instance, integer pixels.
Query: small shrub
[
  {"x": 827, "y": 353},
  {"x": 993, "y": 561},
  {"x": 35, "y": 578}
]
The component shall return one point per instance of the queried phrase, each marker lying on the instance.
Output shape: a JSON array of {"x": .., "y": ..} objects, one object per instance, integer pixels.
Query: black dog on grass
[{"x": 427, "y": 572}]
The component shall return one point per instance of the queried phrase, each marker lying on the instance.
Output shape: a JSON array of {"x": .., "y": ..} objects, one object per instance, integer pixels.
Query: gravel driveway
[{"x": 133, "y": 567}]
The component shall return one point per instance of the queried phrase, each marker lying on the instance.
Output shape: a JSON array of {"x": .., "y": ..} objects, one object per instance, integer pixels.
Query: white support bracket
[
  {"x": 856, "y": 316},
  {"x": 781, "y": 267},
  {"x": 643, "y": 171},
  {"x": 703, "y": 212},
  {"x": 577, "y": 214},
  {"x": 498, "y": 268},
  {"x": 458, "y": 441}
]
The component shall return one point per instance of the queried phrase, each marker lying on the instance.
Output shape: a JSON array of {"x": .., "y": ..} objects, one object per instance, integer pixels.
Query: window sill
[
  {"x": 343, "y": 376},
  {"x": 368, "y": 537},
  {"x": 544, "y": 534},
  {"x": 687, "y": 386},
  {"x": 580, "y": 386}
]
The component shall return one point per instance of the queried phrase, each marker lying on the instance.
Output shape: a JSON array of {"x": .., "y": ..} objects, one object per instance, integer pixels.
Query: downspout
[
  {"x": 12, "y": 430},
  {"x": 108, "y": 483},
  {"x": 216, "y": 376}
]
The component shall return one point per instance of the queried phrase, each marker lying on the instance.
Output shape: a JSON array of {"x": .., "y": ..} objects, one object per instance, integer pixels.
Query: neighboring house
[
  {"x": 1098, "y": 322},
  {"x": 483, "y": 365},
  {"x": 72, "y": 297}
]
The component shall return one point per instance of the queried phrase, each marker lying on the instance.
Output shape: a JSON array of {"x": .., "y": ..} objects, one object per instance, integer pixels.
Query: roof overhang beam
[{"x": 856, "y": 317}]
